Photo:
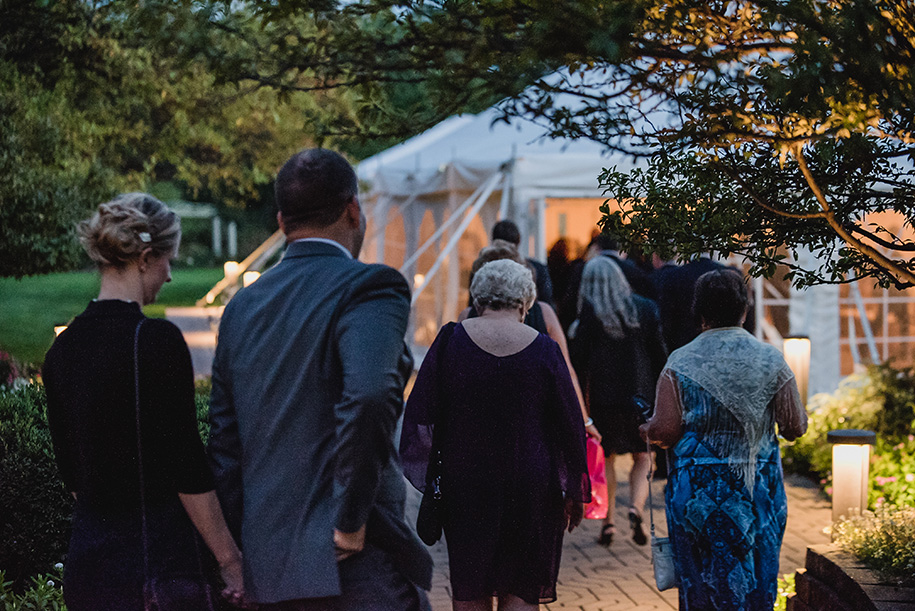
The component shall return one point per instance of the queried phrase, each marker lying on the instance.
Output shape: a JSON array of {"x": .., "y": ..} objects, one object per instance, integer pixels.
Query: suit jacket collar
[{"x": 311, "y": 248}]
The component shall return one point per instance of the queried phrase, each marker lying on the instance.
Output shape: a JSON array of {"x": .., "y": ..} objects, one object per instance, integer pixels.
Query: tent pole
[
  {"x": 455, "y": 237},
  {"x": 865, "y": 322},
  {"x": 759, "y": 306},
  {"x": 450, "y": 221}
]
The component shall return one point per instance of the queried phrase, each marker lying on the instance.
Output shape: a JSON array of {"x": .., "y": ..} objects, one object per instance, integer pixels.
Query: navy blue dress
[{"x": 514, "y": 446}]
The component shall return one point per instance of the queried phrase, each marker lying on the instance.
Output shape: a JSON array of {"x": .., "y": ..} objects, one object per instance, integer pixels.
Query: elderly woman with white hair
[{"x": 510, "y": 434}]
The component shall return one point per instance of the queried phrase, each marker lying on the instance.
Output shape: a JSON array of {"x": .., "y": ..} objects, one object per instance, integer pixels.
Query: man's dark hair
[
  {"x": 313, "y": 188},
  {"x": 720, "y": 298},
  {"x": 508, "y": 231},
  {"x": 606, "y": 241}
]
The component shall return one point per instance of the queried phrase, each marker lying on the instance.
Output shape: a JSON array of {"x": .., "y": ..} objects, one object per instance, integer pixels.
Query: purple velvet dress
[{"x": 514, "y": 446}]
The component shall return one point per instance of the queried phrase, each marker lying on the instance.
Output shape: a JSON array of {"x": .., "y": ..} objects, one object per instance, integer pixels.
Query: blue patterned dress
[{"x": 726, "y": 541}]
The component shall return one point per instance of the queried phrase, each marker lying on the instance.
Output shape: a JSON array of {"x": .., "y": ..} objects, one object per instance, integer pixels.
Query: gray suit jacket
[{"x": 308, "y": 386}]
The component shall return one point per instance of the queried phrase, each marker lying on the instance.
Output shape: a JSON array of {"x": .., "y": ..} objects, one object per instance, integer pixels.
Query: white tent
[
  {"x": 432, "y": 201},
  {"x": 464, "y": 174}
]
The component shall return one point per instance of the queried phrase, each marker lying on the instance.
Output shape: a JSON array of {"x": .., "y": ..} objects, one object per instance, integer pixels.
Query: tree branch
[
  {"x": 901, "y": 273},
  {"x": 762, "y": 203},
  {"x": 902, "y": 247}
]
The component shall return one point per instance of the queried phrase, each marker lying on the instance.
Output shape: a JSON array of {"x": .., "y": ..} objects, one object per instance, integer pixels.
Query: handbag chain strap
[
  {"x": 650, "y": 500},
  {"x": 439, "y": 417},
  {"x": 142, "y": 478}
]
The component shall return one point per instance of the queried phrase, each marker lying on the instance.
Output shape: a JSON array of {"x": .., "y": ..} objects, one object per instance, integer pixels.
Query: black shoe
[
  {"x": 635, "y": 522},
  {"x": 606, "y": 534}
]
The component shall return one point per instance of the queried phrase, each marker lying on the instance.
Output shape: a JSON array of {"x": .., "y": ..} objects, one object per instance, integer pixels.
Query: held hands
[
  {"x": 348, "y": 544},
  {"x": 575, "y": 511}
]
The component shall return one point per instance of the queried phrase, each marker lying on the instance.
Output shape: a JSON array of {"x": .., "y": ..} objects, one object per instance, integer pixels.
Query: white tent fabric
[
  {"x": 440, "y": 170},
  {"x": 445, "y": 169},
  {"x": 477, "y": 146}
]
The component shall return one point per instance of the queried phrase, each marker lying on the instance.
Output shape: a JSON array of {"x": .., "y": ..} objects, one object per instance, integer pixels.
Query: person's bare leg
[
  {"x": 610, "y": 470},
  {"x": 607, "y": 527},
  {"x": 481, "y": 604},
  {"x": 638, "y": 488},
  {"x": 509, "y": 602},
  {"x": 638, "y": 480}
]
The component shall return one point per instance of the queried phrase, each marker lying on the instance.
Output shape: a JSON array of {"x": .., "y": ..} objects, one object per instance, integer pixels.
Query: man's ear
[
  {"x": 279, "y": 220},
  {"x": 353, "y": 212}
]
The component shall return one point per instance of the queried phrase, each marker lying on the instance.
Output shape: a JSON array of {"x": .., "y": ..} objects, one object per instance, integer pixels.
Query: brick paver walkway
[{"x": 595, "y": 578}]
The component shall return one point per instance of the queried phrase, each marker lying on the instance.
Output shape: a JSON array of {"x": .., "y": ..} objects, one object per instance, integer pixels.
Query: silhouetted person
[{"x": 508, "y": 231}]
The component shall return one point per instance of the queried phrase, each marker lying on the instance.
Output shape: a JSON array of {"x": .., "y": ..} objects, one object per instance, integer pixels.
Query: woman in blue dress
[{"x": 718, "y": 402}]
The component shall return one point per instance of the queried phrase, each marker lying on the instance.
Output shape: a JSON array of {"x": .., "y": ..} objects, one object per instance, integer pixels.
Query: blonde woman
[{"x": 122, "y": 417}]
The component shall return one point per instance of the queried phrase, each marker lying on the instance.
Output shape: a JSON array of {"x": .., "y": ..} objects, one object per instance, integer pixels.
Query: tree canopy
[
  {"x": 771, "y": 124},
  {"x": 92, "y": 103}
]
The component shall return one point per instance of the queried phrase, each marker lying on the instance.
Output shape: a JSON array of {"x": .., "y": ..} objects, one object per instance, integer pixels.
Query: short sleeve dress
[{"x": 513, "y": 448}]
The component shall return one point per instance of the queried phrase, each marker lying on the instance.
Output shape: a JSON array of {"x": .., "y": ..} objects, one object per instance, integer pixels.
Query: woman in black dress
[
  {"x": 122, "y": 417},
  {"x": 618, "y": 352},
  {"x": 514, "y": 473}
]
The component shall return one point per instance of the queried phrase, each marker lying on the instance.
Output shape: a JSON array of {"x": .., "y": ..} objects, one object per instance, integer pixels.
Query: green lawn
[{"x": 29, "y": 308}]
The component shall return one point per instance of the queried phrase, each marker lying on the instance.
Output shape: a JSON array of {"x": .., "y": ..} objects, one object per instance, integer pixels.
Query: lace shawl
[{"x": 743, "y": 374}]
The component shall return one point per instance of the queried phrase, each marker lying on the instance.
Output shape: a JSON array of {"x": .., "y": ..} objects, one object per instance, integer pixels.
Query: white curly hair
[{"x": 503, "y": 285}]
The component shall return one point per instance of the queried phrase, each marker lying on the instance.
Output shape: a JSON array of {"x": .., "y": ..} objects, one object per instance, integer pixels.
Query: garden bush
[
  {"x": 44, "y": 593},
  {"x": 882, "y": 399},
  {"x": 884, "y": 540},
  {"x": 34, "y": 507}
]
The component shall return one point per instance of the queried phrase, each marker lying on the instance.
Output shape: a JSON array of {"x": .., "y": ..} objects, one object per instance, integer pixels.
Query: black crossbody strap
[{"x": 142, "y": 478}]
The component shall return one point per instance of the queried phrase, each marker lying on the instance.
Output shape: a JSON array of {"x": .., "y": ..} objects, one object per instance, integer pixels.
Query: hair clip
[{"x": 144, "y": 237}]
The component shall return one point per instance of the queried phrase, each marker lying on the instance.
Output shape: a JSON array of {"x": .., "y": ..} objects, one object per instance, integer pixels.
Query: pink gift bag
[{"x": 597, "y": 508}]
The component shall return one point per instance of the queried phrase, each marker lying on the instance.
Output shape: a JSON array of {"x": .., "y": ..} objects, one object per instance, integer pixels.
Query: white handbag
[{"x": 662, "y": 553}]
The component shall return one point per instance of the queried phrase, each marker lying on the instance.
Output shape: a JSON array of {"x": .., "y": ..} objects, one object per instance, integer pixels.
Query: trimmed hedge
[{"x": 34, "y": 506}]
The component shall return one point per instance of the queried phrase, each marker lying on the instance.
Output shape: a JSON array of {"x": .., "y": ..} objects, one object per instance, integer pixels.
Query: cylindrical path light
[
  {"x": 850, "y": 470},
  {"x": 796, "y": 349}
]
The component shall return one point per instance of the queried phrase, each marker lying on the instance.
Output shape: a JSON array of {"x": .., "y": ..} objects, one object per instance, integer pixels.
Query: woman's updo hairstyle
[
  {"x": 721, "y": 298},
  {"x": 126, "y": 226},
  {"x": 503, "y": 285}
]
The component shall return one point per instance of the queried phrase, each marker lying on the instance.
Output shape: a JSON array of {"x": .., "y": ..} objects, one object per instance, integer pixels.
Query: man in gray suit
[{"x": 308, "y": 386}]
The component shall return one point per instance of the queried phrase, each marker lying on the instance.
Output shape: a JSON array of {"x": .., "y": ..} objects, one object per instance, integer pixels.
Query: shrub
[
  {"x": 785, "y": 591},
  {"x": 883, "y": 540},
  {"x": 34, "y": 507},
  {"x": 44, "y": 594},
  {"x": 882, "y": 400}
]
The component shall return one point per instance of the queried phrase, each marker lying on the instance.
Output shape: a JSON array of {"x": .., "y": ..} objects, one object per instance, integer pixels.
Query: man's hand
[
  {"x": 347, "y": 544},
  {"x": 575, "y": 511}
]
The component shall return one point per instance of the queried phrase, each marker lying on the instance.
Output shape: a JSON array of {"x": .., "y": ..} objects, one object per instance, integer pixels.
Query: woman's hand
[
  {"x": 593, "y": 433},
  {"x": 643, "y": 432},
  {"x": 575, "y": 511},
  {"x": 231, "y": 573}
]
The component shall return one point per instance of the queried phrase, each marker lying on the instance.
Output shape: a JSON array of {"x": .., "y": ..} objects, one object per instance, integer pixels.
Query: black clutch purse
[{"x": 430, "y": 519}]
